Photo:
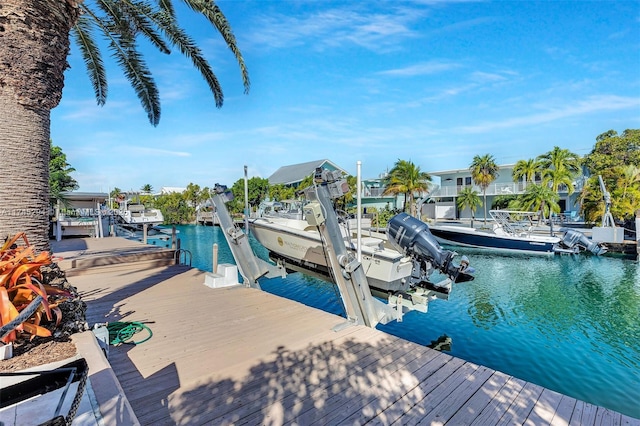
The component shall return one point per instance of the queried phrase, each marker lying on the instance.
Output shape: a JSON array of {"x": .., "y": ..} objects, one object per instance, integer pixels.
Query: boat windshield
[{"x": 514, "y": 222}]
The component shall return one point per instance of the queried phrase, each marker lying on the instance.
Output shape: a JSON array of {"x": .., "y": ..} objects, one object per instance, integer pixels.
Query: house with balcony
[
  {"x": 373, "y": 195},
  {"x": 443, "y": 196}
]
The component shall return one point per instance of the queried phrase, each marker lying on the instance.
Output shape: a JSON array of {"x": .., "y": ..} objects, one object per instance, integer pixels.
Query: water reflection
[{"x": 442, "y": 343}]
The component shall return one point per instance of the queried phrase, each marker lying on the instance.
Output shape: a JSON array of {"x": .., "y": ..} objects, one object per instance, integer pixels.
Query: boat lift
[
  {"x": 361, "y": 307},
  {"x": 406, "y": 233},
  {"x": 250, "y": 266}
]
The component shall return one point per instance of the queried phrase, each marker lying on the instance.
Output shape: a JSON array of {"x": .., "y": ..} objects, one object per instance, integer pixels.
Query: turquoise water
[{"x": 568, "y": 323}]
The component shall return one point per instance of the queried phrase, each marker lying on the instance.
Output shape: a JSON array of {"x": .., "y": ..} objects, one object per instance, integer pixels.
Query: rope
[
  {"x": 123, "y": 332},
  {"x": 24, "y": 315}
]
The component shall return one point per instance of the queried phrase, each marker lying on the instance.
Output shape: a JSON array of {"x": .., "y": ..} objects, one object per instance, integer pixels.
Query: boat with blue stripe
[{"x": 513, "y": 231}]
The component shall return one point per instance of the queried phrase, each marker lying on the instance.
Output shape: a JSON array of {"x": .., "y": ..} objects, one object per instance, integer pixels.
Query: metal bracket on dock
[{"x": 251, "y": 268}]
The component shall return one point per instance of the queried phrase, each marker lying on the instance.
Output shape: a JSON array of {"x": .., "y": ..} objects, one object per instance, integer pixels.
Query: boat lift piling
[
  {"x": 360, "y": 306},
  {"x": 250, "y": 267}
]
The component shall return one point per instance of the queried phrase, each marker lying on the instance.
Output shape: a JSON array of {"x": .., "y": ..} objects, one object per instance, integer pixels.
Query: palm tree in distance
[
  {"x": 559, "y": 167},
  {"x": 146, "y": 188},
  {"x": 468, "y": 197},
  {"x": 525, "y": 170},
  {"x": 484, "y": 170},
  {"x": 560, "y": 159},
  {"x": 34, "y": 45},
  {"x": 540, "y": 198},
  {"x": 407, "y": 178}
]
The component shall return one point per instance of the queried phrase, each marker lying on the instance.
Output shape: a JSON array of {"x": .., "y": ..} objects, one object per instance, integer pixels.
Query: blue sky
[{"x": 428, "y": 81}]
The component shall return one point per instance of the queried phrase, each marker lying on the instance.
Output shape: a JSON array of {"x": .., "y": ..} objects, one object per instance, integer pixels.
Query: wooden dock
[{"x": 242, "y": 356}]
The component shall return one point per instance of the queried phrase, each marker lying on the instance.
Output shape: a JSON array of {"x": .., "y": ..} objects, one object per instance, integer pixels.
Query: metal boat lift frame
[{"x": 360, "y": 306}]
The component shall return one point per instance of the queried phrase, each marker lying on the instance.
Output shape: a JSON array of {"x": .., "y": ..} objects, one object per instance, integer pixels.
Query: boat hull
[
  {"x": 469, "y": 237},
  {"x": 302, "y": 248}
]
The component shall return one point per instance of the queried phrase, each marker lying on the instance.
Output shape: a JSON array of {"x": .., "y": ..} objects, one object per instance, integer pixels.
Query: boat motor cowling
[
  {"x": 573, "y": 238},
  {"x": 413, "y": 237}
]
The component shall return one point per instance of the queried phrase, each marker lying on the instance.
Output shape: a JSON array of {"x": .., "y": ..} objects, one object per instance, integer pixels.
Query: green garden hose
[{"x": 123, "y": 332}]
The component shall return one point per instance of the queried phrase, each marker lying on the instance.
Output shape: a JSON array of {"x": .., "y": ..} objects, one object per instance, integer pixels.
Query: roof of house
[
  {"x": 455, "y": 171},
  {"x": 84, "y": 196},
  {"x": 172, "y": 189},
  {"x": 289, "y": 175}
]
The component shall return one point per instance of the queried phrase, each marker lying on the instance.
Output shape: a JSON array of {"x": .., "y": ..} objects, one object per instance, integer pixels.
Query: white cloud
[
  {"x": 590, "y": 105},
  {"x": 338, "y": 27},
  {"x": 425, "y": 68}
]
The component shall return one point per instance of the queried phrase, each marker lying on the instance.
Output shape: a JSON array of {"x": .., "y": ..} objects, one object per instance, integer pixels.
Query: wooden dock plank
[
  {"x": 483, "y": 396},
  {"x": 242, "y": 356},
  {"x": 492, "y": 413},
  {"x": 320, "y": 394},
  {"x": 563, "y": 413},
  {"x": 545, "y": 408},
  {"x": 445, "y": 410},
  {"x": 382, "y": 376},
  {"x": 372, "y": 406},
  {"x": 423, "y": 408},
  {"x": 520, "y": 408},
  {"x": 429, "y": 376},
  {"x": 267, "y": 406}
]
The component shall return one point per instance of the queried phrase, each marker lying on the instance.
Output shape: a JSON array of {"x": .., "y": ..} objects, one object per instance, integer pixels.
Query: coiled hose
[{"x": 123, "y": 332}]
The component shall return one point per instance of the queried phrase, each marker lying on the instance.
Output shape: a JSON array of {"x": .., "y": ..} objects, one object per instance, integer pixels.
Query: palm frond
[
  {"x": 167, "y": 6},
  {"x": 82, "y": 33},
  {"x": 214, "y": 15},
  {"x": 142, "y": 16},
  {"x": 188, "y": 47},
  {"x": 122, "y": 43}
]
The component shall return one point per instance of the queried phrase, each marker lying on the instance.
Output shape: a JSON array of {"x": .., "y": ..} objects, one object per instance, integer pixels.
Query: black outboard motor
[
  {"x": 573, "y": 238},
  {"x": 412, "y": 237}
]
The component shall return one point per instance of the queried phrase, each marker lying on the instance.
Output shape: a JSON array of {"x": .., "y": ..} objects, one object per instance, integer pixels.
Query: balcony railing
[
  {"x": 374, "y": 192},
  {"x": 504, "y": 188}
]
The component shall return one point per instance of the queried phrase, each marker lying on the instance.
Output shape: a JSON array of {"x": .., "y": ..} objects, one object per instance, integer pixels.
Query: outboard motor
[
  {"x": 573, "y": 238},
  {"x": 412, "y": 237}
]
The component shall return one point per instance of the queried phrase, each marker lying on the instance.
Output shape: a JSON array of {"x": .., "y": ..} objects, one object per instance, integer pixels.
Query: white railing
[
  {"x": 494, "y": 189},
  {"x": 503, "y": 188}
]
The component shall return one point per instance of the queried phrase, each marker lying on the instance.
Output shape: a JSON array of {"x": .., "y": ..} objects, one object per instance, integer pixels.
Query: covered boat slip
[{"x": 239, "y": 355}]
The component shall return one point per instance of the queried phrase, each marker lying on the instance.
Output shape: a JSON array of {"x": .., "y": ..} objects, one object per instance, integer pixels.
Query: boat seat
[{"x": 370, "y": 242}]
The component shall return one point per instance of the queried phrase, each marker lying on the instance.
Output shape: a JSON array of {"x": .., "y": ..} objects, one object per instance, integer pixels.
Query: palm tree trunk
[
  {"x": 24, "y": 187},
  {"x": 34, "y": 44},
  {"x": 484, "y": 195}
]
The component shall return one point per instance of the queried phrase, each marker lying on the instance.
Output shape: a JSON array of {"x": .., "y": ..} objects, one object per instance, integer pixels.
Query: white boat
[
  {"x": 135, "y": 215},
  {"x": 298, "y": 246},
  {"x": 291, "y": 209},
  {"x": 513, "y": 232}
]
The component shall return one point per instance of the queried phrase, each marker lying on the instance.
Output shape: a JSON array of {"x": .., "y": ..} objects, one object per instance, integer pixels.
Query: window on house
[
  {"x": 459, "y": 181},
  {"x": 467, "y": 181}
]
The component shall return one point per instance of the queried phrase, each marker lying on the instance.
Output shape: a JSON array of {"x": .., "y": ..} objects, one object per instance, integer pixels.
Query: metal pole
[
  {"x": 215, "y": 258},
  {"x": 246, "y": 202},
  {"x": 145, "y": 228},
  {"x": 359, "y": 212},
  {"x": 100, "y": 230}
]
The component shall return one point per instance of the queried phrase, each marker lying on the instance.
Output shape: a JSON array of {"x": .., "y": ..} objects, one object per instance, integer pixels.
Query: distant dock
[{"x": 238, "y": 355}]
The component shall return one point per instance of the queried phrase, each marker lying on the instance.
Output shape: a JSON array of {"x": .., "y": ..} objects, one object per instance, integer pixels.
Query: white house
[{"x": 453, "y": 181}]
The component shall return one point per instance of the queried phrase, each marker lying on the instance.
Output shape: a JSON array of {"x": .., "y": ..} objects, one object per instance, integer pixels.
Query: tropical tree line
[{"x": 616, "y": 158}]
